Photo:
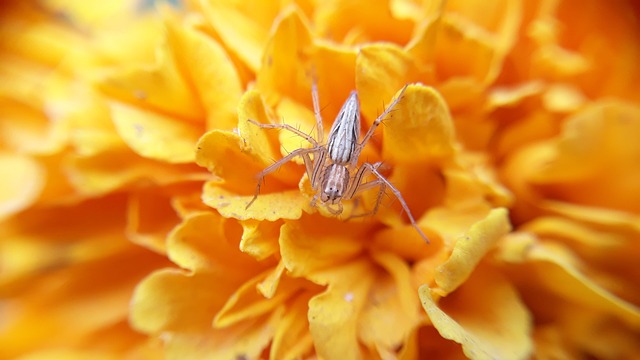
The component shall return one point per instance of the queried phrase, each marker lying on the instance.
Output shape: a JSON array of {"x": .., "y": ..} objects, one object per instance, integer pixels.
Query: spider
[{"x": 333, "y": 171}]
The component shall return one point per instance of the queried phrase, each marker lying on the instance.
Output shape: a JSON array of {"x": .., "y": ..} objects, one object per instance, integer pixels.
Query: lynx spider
[{"x": 330, "y": 171}]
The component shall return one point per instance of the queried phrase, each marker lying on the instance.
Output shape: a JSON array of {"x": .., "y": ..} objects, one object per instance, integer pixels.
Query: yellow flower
[{"x": 126, "y": 232}]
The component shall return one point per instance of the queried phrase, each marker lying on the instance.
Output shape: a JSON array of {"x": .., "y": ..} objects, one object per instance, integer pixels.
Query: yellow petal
[
  {"x": 420, "y": 127},
  {"x": 246, "y": 340},
  {"x": 170, "y": 300},
  {"x": 149, "y": 218},
  {"x": 485, "y": 316},
  {"x": 154, "y": 135},
  {"x": 189, "y": 245},
  {"x": 101, "y": 173},
  {"x": 301, "y": 118},
  {"x": 464, "y": 205},
  {"x": 292, "y": 339},
  {"x": 238, "y": 160},
  {"x": 459, "y": 41},
  {"x": 333, "y": 315},
  {"x": 257, "y": 141},
  {"x": 36, "y": 130},
  {"x": 260, "y": 238},
  {"x": 160, "y": 88},
  {"x": 285, "y": 58},
  {"x": 336, "y": 78},
  {"x": 316, "y": 243},
  {"x": 21, "y": 183},
  {"x": 248, "y": 302},
  {"x": 422, "y": 45},
  {"x": 211, "y": 71},
  {"x": 382, "y": 69},
  {"x": 271, "y": 207},
  {"x": 470, "y": 249},
  {"x": 392, "y": 300},
  {"x": 376, "y": 22}
]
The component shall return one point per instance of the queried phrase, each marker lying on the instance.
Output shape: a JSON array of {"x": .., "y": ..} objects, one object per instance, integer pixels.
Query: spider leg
[
  {"x": 381, "y": 181},
  {"x": 304, "y": 153},
  {"x": 288, "y": 127},
  {"x": 337, "y": 211},
  {"x": 377, "y": 122},
  {"x": 316, "y": 110}
]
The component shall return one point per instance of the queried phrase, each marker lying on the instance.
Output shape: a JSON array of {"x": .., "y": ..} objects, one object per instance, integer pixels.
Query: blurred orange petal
[
  {"x": 484, "y": 315},
  {"x": 243, "y": 27},
  {"x": 20, "y": 187},
  {"x": 154, "y": 135},
  {"x": 211, "y": 72}
]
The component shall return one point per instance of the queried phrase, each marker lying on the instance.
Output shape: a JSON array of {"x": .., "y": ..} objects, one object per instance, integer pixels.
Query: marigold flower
[{"x": 130, "y": 161}]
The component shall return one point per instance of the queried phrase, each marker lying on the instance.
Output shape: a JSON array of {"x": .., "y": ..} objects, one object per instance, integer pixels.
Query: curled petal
[{"x": 469, "y": 250}]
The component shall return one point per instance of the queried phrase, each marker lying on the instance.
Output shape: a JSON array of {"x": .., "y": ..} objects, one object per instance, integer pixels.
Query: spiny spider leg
[
  {"x": 377, "y": 122},
  {"x": 304, "y": 153},
  {"x": 287, "y": 127},
  {"x": 383, "y": 183}
]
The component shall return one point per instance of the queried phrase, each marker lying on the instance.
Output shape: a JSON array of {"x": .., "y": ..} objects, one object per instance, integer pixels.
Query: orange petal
[
  {"x": 420, "y": 127},
  {"x": 501, "y": 18},
  {"x": 618, "y": 221},
  {"x": 21, "y": 184},
  {"x": 154, "y": 135},
  {"x": 459, "y": 41},
  {"x": 602, "y": 133},
  {"x": 211, "y": 71},
  {"x": 558, "y": 270},
  {"x": 485, "y": 316},
  {"x": 470, "y": 249},
  {"x": 375, "y": 22},
  {"x": 242, "y": 27}
]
